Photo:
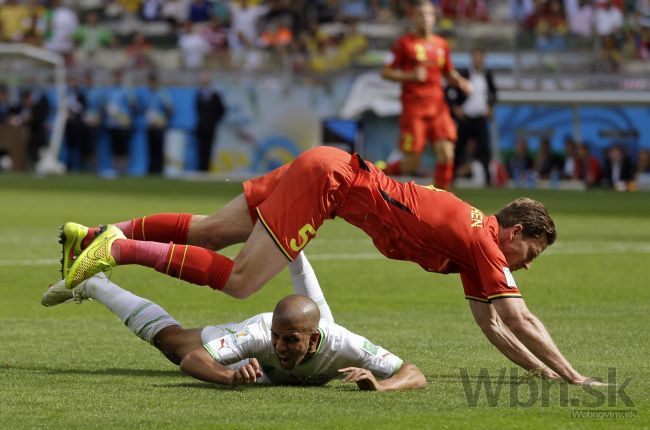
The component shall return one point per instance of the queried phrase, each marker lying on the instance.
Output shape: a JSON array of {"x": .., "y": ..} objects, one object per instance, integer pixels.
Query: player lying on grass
[
  {"x": 430, "y": 227},
  {"x": 298, "y": 344}
]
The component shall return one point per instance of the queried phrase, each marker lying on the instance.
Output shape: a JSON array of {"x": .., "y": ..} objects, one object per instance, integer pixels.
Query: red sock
[
  {"x": 190, "y": 263},
  {"x": 444, "y": 175},
  {"x": 157, "y": 228}
]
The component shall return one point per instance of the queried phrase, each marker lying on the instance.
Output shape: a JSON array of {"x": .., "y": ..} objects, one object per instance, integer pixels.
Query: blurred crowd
[
  {"x": 615, "y": 168},
  {"x": 618, "y": 29},
  {"x": 312, "y": 35}
]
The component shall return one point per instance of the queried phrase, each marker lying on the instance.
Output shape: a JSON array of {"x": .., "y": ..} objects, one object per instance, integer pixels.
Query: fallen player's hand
[
  {"x": 363, "y": 377},
  {"x": 590, "y": 382},
  {"x": 247, "y": 374}
]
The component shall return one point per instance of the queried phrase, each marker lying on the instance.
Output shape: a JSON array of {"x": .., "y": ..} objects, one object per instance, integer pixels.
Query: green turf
[{"x": 78, "y": 367}]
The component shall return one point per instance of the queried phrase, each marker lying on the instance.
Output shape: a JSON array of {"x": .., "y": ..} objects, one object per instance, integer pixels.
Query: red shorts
[
  {"x": 420, "y": 123},
  {"x": 293, "y": 201}
]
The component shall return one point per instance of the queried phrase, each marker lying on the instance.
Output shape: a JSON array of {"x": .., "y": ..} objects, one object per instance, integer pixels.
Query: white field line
[{"x": 570, "y": 248}]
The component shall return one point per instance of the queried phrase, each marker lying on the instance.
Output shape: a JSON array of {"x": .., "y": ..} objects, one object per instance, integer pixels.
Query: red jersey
[
  {"x": 411, "y": 51},
  {"x": 432, "y": 228}
]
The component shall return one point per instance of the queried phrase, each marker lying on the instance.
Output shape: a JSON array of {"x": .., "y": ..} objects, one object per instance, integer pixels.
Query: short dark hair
[{"x": 533, "y": 217}]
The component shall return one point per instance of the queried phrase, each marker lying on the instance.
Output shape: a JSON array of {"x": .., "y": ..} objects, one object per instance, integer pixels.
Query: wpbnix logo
[{"x": 526, "y": 392}]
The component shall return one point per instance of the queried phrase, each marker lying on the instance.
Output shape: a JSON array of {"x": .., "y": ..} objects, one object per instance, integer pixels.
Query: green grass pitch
[{"x": 78, "y": 367}]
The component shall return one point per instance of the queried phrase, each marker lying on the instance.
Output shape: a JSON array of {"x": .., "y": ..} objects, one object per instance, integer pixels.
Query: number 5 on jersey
[{"x": 306, "y": 233}]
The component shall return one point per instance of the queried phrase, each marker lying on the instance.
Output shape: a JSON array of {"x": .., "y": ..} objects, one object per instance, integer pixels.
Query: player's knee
[{"x": 237, "y": 287}]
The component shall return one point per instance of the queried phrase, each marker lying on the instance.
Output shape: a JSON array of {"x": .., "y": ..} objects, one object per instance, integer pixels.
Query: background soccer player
[
  {"x": 298, "y": 344},
  {"x": 418, "y": 61}
]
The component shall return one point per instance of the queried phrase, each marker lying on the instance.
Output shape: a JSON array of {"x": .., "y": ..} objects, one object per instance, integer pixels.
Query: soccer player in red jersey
[
  {"x": 419, "y": 61},
  {"x": 428, "y": 226}
]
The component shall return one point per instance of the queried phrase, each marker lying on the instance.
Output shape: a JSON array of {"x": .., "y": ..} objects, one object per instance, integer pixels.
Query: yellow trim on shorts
[
  {"x": 142, "y": 225},
  {"x": 275, "y": 239},
  {"x": 478, "y": 299},
  {"x": 171, "y": 256},
  {"x": 183, "y": 262},
  {"x": 504, "y": 295}
]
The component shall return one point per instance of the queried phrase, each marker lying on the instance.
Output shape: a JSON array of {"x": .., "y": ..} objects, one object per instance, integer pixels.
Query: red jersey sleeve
[
  {"x": 490, "y": 279},
  {"x": 395, "y": 59}
]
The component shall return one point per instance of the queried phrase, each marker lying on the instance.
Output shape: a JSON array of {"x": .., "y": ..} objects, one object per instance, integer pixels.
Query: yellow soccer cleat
[
  {"x": 71, "y": 236},
  {"x": 96, "y": 258}
]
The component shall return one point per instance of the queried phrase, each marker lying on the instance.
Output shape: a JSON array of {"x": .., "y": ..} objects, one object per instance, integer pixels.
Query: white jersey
[{"x": 338, "y": 348}]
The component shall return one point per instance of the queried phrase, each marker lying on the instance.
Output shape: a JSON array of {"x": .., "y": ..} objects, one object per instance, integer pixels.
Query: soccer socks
[
  {"x": 444, "y": 175},
  {"x": 143, "y": 317},
  {"x": 193, "y": 264},
  {"x": 305, "y": 283},
  {"x": 163, "y": 228}
]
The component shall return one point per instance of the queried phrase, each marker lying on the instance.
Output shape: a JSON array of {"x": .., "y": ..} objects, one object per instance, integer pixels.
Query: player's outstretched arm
[
  {"x": 408, "y": 377},
  {"x": 200, "y": 365},
  {"x": 505, "y": 341},
  {"x": 532, "y": 333}
]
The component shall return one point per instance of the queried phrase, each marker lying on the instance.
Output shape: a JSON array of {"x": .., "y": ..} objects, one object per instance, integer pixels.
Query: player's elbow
[
  {"x": 418, "y": 380},
  {"x": 188, "y": 363}
]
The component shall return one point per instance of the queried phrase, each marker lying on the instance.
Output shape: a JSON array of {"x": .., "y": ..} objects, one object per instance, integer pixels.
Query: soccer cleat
[
  {"x": 70, "y": 238},
  {"x": 58, "y": 293},
  {"x": 96, "y": 258}
]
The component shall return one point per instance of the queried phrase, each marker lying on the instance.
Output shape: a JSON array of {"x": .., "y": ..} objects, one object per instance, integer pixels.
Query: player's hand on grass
[
  {"x": 590, "y": 382},
  {"x": 363, "y": 377},
  {"x": 247, "y": 374}
]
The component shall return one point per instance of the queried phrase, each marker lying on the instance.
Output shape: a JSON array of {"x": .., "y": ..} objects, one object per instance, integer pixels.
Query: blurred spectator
[
  {"x": 587, "y": 167},
  {"x": 644, "y": 44},
  {"x": 277, "y": 34},
  {"x": 175, "y": 11},
  {"x": 580, "y": 14},
  {"x": 642, "y": 13},
  {"x": 35, "y": 110},
  {"x": 92, "y": 36},
  {"x": 356, "y": 10},
  {"x": 608, "y": 19},
  {"x": 13, "y": 132},
  {"x": 92, "y": 119},
  {"x": 547, "y": 164},
  {"x": 243, "y": 24},
  {"x": 139, "y": 52},
  {"x": 521, "y": 10},
  {"x": 474, "y": 111},
  {"x": 200, "y": 11},
  {"x": 353, "y": 44},
  {"x": 549, "y": 25},
  {"x": 61, "y": 26},
  {"x": 158, "y": 112},
  {"x": 469, "y": 167},
  {"x": 473, "y": 11},
  {"x": 34, "y": 25},
  {"x": 570, "y": 155},
  {"x": 216, "y": 35},
  {"x": 120, "y": 110},
  {"x": 520, "y": 163},
  {"x": 642, "y": 176},
  {"x": 193, "y": 46},
  {"x": 12, "y": 17},
  {"x": 74, "y": 126},
  {"x": 619, "y": 169},
  {"x": 209, "y": 112},
  {"x": 151, "y": 10}
]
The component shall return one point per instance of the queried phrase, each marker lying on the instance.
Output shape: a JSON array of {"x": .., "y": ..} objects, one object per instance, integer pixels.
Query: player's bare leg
[
  {"x": 444, "y": 174},
  {"x": 258, "y": 261},
  {"x": 229, "y": 225},
  {"x": 410, "y": 163}
]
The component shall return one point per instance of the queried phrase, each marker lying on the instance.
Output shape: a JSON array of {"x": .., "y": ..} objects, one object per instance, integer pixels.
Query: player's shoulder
[{"x": 440, "y": 41}]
